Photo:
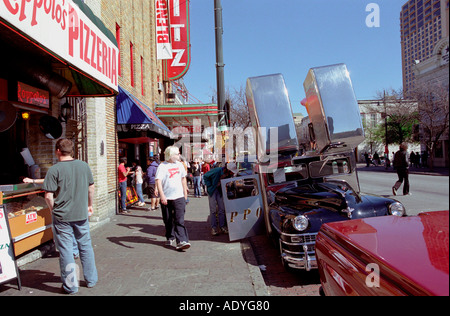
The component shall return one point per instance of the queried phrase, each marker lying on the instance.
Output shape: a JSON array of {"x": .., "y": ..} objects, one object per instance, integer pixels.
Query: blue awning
[{"x": 135, "y": 115}]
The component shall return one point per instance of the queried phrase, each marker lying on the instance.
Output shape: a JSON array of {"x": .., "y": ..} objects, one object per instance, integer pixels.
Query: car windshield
[
  {"x": 328, "y": 167},
  {"x": 290, "y": 173}
]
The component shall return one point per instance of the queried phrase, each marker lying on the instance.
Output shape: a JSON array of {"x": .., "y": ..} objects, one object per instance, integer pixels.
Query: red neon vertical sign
[{"x": 177, "y": 67}]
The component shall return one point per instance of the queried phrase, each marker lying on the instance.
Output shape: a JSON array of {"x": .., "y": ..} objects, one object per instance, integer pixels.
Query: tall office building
[{"x": 423, "y": 23}]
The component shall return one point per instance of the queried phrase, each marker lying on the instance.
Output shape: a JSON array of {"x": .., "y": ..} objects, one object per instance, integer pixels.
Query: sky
[{"x": 264, "y": 37}]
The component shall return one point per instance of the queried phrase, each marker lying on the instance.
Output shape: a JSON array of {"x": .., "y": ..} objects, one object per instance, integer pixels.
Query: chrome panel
[
  {"x": 271, "y": 116},
  {"x": 333, "y": 109}
]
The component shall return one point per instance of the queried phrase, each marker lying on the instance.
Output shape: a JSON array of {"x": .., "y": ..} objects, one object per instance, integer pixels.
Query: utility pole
[
  {"x": 386, "y": 148},
  {"x": 223, "y": 121},
  {"x": 220, "y": 67}
]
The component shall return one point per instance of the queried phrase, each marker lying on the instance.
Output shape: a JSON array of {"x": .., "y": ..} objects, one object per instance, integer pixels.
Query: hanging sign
[
  {"x": 8, "y": 266},
  {"x": 31, "y": 95},
  {"x": 178, "y": 65},
  {"x": 163, "y": 46},
  {"x": 61, "y": 27}
]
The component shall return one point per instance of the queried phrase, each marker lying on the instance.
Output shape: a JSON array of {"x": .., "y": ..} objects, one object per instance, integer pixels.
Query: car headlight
[
  {"x": 397, "y": 209},
  {"x": 301, "y": 223}
]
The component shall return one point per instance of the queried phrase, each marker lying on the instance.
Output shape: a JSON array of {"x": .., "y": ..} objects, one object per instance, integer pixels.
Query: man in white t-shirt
[{"x": 172, "y": 187}]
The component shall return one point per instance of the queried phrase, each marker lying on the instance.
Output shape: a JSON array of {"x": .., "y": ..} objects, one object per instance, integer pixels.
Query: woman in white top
[
  {"x": 172, "y": 188},
  {"x": 139, "y": 179}
]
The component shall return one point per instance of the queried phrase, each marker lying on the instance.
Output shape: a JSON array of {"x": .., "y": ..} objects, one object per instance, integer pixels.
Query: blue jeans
[
  {"x": 139, "y": 192},
  {"x": 216, "y": 205},
  {"x": 123, "y": 195},
  {"x": 64, "y": 234},
  {"x": 76, "y": 252},
  {"x": 197, "y": 190}
]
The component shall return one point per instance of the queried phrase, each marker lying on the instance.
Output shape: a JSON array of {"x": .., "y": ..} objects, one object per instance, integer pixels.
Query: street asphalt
[{"x": 436, "y": 171}]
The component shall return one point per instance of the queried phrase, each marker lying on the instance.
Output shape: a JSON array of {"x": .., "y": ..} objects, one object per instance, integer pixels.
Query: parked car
[
  {"x": 297, "y": 209},
  {"x": 385, "y": 256},
  {"x": 299, "y": 192}
]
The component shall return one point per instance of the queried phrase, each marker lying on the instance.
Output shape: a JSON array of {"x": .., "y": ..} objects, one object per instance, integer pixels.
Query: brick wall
[{"x": 137, "y": 25}]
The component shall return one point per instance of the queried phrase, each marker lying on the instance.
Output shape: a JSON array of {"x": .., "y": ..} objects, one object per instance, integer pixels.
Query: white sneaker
[
  {"x": 214, "y": 232},
  {"x": 170, "y": 242},
  {"x": 183, "y": 245}
]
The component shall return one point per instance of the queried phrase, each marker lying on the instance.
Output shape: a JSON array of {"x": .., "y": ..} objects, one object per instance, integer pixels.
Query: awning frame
[{"x": 133, "y": 114}]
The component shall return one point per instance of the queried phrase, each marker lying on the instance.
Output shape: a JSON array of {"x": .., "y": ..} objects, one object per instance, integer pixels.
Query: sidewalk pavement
[
  {"x": 132, "y": 259},
  {"x": 437, "y": 171}
]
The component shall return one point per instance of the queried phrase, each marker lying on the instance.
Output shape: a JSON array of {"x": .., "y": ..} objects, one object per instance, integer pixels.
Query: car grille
[
  {"x": 294, "y": 244},
  {"x": 298, "y": 250},
  {"x": 304, "y": 239}
]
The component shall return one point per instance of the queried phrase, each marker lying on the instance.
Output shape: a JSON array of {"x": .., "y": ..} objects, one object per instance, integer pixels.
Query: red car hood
[{"x": 411, "y": 250}]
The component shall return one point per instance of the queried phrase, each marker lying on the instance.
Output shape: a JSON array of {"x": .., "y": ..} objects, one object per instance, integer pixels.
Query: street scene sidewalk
[
  {"x": 132, "y": 259},
  {"x": 437, "y": 171}
]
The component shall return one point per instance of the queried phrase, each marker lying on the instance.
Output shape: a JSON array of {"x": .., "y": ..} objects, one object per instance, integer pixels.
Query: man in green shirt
[{"x": 69, "y": 187}]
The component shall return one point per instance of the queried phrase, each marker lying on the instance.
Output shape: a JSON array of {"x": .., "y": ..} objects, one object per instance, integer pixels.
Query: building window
[
  {"x": 118, "y": 44},
  {"x": 131, "y": 64},
  {"x": 373, "y": 120}
]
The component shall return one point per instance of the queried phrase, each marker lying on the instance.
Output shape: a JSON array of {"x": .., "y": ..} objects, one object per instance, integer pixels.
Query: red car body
[{"x": 385, "y": 256}]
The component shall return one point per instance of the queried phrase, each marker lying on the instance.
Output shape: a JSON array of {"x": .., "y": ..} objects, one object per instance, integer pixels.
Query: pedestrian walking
[
  {"x": 205, "y": 168},
  {"x": 412, "y": 159},
  {"x": 123, "y": 172},
  {"x": 366, "y": 158},
  {"x": 215, "y": 196},
  {"x": 152, "y": 189},
  {"x": 172, "y": 188},
  {"x": 197, "y": 174},
  {"x": 417, "y": 162},
  {"x": 69, "y": 194},
  {"x": 401, "y": 166},
  {"x": 139, "y": 180},
  {"x": 376, "y": 159}
]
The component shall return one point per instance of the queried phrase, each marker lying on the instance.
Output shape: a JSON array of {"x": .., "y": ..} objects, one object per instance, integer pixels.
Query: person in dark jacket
[
  {"x": 152, "y": 190},
  {"x": 197, "y": 174},
  {"x": 214, "y": 190},
  {"x": 401, "y": 165}
]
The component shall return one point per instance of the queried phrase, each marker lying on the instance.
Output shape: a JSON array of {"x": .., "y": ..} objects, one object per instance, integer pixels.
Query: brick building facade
[
  {"x": 93, "y": 122},
  {"x": 133, "y": 24}
]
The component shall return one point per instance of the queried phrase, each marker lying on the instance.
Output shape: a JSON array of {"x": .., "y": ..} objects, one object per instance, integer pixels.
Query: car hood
[{"x": 334, "y": 198}]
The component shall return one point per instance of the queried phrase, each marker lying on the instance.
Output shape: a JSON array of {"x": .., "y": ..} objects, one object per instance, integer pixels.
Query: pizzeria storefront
[
  {"x": 141, "y": 135},
  {"x": 54, "y": 55}
]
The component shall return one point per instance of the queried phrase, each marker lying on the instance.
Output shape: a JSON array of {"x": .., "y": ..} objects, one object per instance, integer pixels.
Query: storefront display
[
  {"x": 48, "y": 57},
  {"x": 28, "y": 215},
  {"x": 8, "y": 265}
]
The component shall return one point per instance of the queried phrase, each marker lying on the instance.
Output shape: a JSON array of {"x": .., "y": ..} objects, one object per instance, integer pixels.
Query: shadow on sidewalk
[{"x": 145, "y": 224}]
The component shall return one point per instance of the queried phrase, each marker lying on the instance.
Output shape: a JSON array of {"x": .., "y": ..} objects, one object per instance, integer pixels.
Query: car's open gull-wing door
[
  {"x": 242, "y": 197},
  {"x": 333, "y": 109}
]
